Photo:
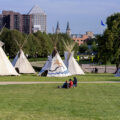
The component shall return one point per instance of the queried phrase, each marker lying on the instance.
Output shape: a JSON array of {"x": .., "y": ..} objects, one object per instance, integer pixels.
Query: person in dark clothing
[
  {"x": 74, "y": 82},
  {"x": 65, "y": 85},
  {"x": 96, "y": 70}
]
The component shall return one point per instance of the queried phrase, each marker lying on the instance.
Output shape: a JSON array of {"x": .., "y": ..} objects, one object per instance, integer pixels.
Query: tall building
[
  {"x": 11, "y": 20},
  {"x": 26, "y": 23},
  {"x": 32, "y": 22},
  {"x": 68, "y": 30},
  {"x": 38, "y": 19},
  {"x": 57, "y": 28},
  {"x": 14, "y": 20}
]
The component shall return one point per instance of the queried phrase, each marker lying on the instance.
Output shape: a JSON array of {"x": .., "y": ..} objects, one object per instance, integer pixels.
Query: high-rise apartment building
[
  {"x": 27, "y": 23},
  {"x": 14, "y": 20},
  {"x": 11, "y": 20},
  {"x": 38, "y": 19}
]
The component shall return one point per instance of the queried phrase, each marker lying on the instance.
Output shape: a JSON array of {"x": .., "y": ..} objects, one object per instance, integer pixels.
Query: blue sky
[{"x": 83, "y": 15}]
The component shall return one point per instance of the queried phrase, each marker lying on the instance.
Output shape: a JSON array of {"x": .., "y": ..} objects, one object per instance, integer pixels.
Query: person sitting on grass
[
  {"x": 75, "y": 82},
  {"x": 70, "y": 83},
  {"x": 65, "y": 85}
]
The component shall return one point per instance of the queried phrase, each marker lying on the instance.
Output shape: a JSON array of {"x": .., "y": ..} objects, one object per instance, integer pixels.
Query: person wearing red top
[{"x": 70, "y": 83}]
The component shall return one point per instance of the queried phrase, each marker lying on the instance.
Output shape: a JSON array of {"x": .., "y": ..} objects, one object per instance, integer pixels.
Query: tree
[
  {"x": 109, "y": 42},
  {"x": 104, "y": 48},
  {"x": 113, "y": 23},
  {"x": 46, "y": 43},
  {"x": 34, "y": 48},
  {"x": 83, "y": 48},
  {"x": 94, "y": 47},
  {"x": 9, "y": 37},
  {"x": 57, "y": 40}
]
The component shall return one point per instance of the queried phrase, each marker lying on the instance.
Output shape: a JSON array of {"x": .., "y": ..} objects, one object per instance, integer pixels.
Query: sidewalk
[{"x": 28, "y": 83}]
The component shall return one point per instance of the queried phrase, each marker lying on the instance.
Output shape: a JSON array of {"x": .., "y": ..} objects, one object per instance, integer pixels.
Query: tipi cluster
[{"x": 54, "y": 66}]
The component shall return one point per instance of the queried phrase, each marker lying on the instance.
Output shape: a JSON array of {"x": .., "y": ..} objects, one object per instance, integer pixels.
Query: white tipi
[
  {"x": 54, "y": 67},
  {"x": 6, "y": 67},
  {"x": 22, "y": 64},
  {"x": 70, "y": 62}
]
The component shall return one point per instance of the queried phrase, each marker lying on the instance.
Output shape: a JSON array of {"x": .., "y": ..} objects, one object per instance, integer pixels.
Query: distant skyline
[{"x": 82, "y": 15}]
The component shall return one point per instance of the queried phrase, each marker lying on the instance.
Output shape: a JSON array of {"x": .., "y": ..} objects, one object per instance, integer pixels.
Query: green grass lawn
[
  {"x": 87, "y": 77},
  {"x": 47, "y": 102}
]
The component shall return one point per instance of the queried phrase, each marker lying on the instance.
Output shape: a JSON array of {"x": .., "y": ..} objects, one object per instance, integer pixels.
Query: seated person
[
  {"x": 75, "y": 82},
  {"x": 70, "y": 83},
  {"x": 65, "y": 85}
]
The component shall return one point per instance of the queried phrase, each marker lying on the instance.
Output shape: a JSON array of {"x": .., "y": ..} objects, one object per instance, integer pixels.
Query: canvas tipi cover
[
  {"x": 6, "y": 67},
  {"x": 71, "y": 64},
  {"x": 55, "y": 67},
  {"x": 22, "y": 64}
]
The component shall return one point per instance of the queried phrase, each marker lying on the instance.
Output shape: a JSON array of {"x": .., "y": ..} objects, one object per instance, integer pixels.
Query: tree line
[
  {"x": 109, "y": 42},
  {"x": 106, "y": 45},
  {"x": 34, "y": 45}
]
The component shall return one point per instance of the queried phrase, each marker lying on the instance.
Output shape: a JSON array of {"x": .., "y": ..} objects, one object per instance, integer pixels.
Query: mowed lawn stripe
[{"x": 83, "y": 78}]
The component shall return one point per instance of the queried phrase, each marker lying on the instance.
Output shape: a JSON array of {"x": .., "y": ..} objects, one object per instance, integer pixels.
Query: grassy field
[
  {"x": 47, "y": 102},
  {"x": 87, "y": 77}
]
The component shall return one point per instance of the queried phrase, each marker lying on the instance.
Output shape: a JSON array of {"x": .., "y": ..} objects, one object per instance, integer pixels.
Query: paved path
[{"x": 28, "y": 83}]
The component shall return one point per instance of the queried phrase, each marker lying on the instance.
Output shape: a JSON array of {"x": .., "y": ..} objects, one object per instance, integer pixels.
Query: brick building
[
  {"x": 26, "y": 23},
  {"x": 81, "y": 39},
  {"x": 14, "y": 20}
]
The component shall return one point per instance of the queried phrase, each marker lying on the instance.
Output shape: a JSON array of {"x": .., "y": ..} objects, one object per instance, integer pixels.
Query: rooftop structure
[{"x": 36, "y": 10}]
